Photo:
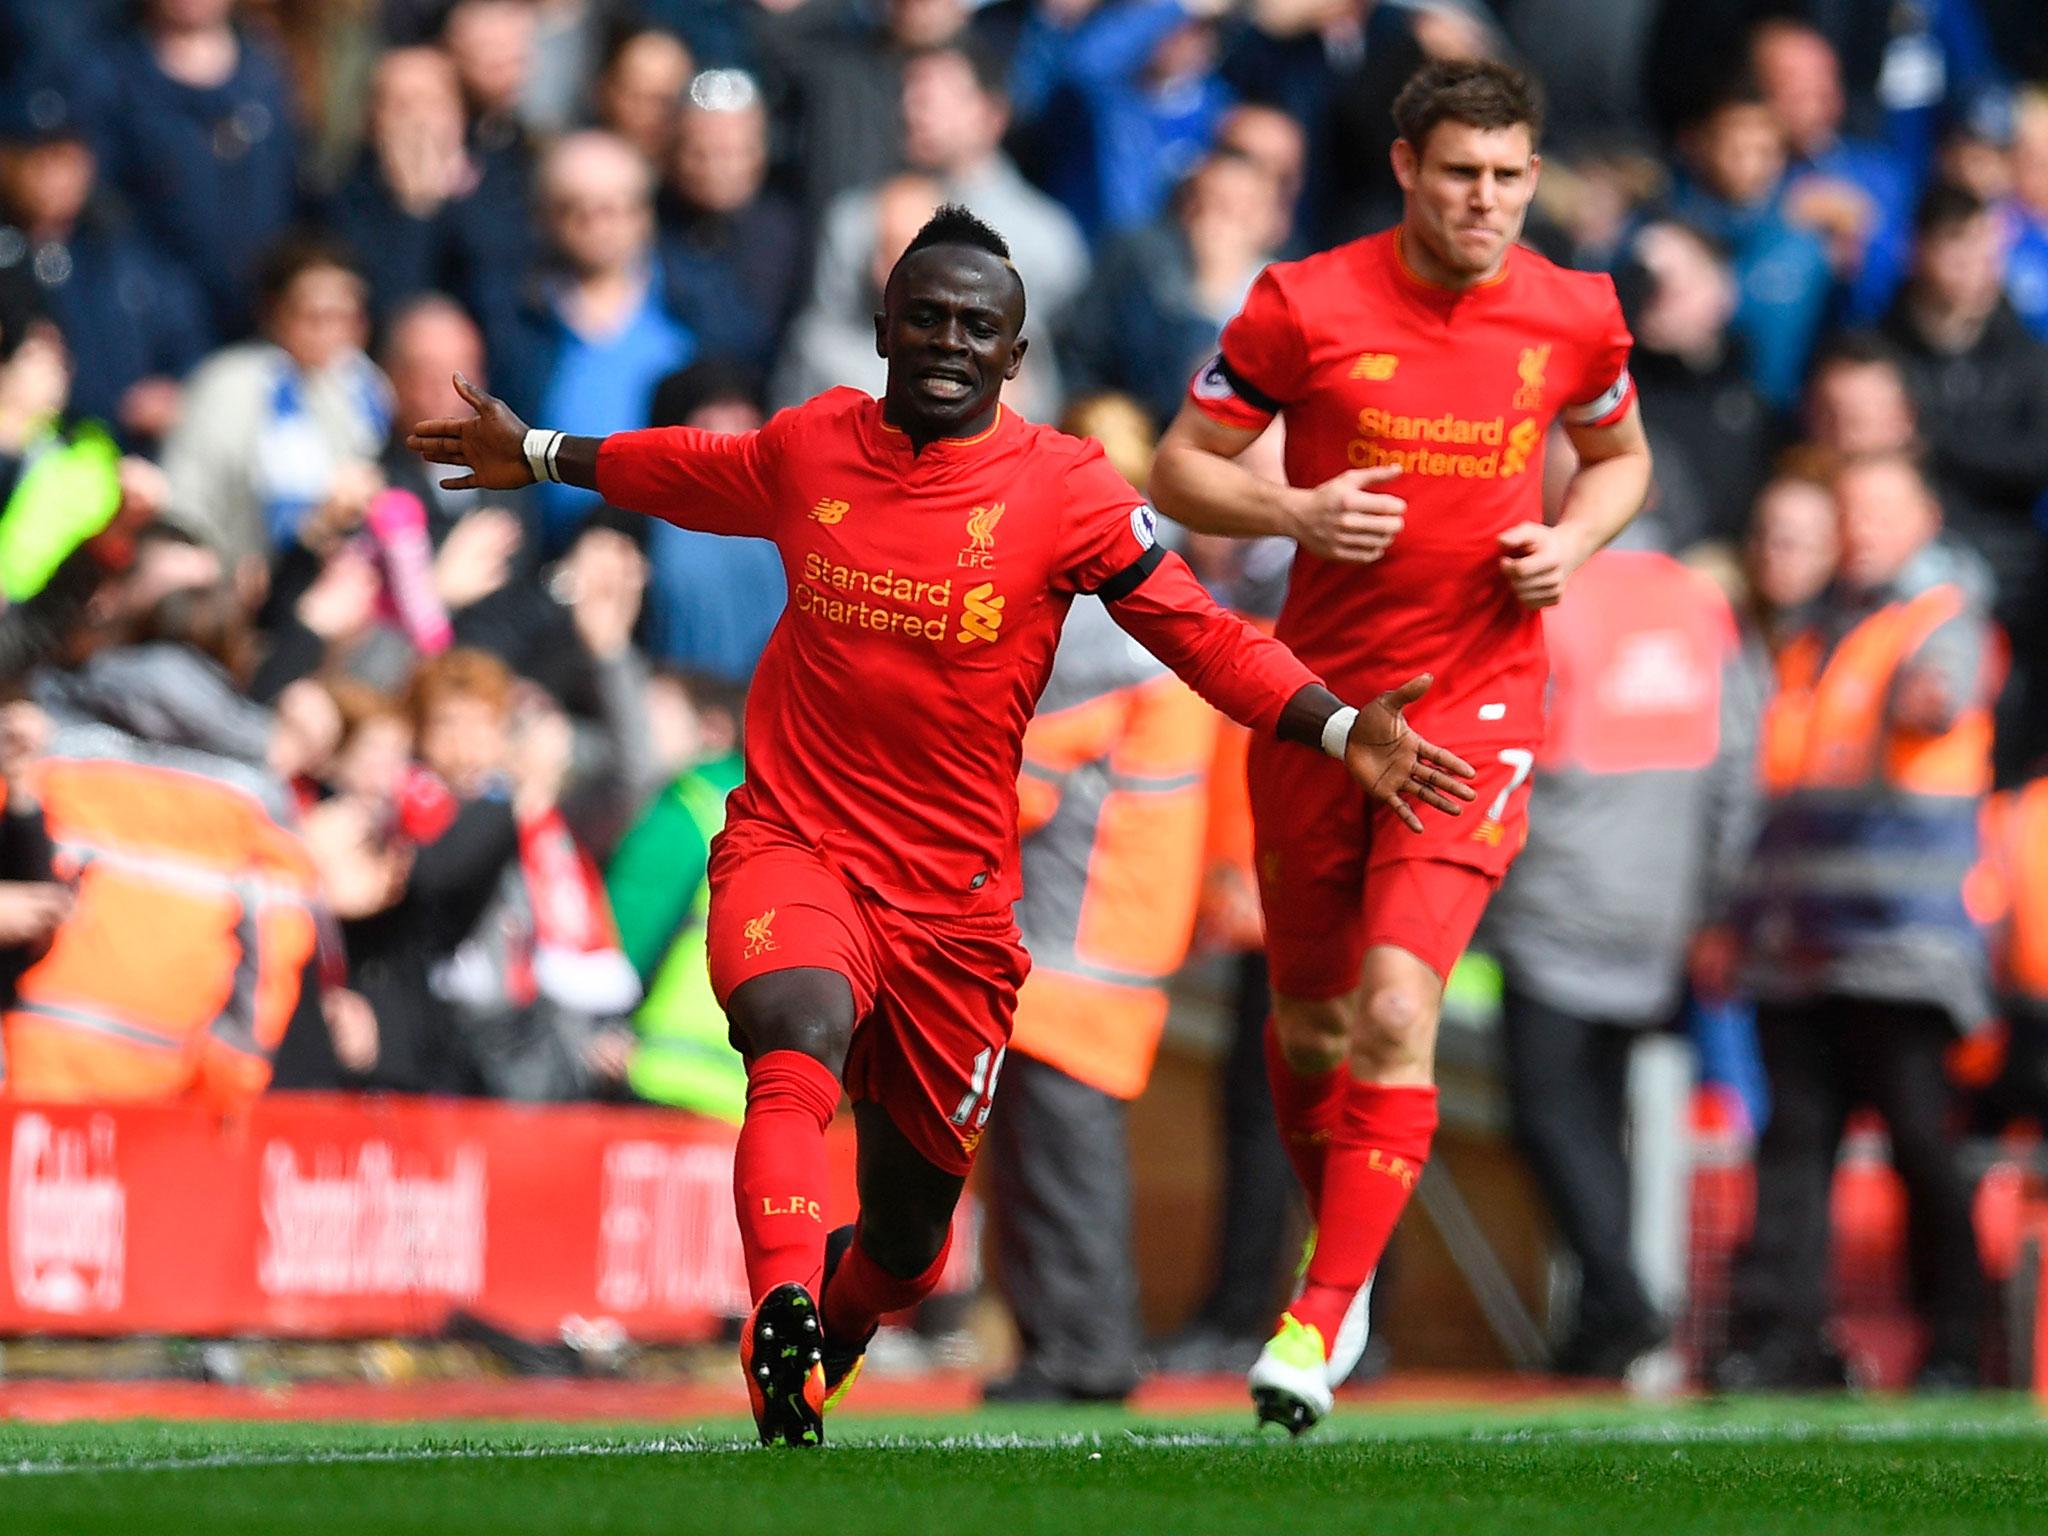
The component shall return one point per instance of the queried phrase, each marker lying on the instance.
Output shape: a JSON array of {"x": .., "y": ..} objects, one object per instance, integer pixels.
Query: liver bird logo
[
  {"x": 1534, "y": 360},
  {"x": 758, "y": 939},
  {"x": 981, "y": 526}
]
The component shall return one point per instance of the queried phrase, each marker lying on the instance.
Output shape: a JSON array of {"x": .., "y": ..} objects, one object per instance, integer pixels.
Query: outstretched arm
[
  {"x": 1260, "y": 683},
  {"x": 491, "y": 443},
  {"x": 712, "y": 481}
]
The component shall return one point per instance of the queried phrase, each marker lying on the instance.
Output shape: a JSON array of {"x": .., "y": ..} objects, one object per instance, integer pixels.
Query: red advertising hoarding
[{"x": 325, "y": 1215}]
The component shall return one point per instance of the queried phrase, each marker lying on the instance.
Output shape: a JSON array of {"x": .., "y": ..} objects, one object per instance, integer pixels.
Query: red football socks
[
  {"x": 862, "y": 1293},
  {"x": 1376, "y": 1158},
  {"x": 1308, "y": 1107},
  {"x": 778, "y": 1170}
]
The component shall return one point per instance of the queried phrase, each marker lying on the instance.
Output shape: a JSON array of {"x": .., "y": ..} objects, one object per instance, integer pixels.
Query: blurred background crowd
[{"x": 320, "y": 776}]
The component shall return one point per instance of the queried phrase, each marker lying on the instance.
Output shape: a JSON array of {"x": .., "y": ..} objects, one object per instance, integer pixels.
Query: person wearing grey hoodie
[{"x": 1644, "y": 808}]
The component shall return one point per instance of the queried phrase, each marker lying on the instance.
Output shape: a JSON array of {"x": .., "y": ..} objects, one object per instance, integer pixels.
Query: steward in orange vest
[
  {"x": 1114, "y": 801},
  {"x": 180, "y": 964},
  {"x": 1876, "y": 759},
  {"x": 1859, "y": 946}
]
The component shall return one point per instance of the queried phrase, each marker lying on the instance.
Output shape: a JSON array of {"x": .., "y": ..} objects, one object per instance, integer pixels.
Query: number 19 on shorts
[{"x": 981, "y": 1088}]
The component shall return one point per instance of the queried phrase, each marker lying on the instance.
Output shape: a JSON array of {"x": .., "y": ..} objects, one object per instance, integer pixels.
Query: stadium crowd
[{"x": 318, "y": 775}]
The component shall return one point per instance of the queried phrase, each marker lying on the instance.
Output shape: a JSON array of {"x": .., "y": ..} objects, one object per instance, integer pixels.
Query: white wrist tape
[
  {"x": 541, "y": 446},
  {"x": 1337, "y": 731}
]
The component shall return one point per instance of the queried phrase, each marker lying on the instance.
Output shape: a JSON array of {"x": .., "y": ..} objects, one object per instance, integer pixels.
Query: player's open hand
[
  {"x": 1392, "y": 762},
  {"x": 1344, "y": 518},
  {"x": 1538, "y": 559},
  {"x": 491, "y": 444}
]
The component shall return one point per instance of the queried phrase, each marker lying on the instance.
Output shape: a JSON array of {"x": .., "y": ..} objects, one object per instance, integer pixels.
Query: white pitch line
[
  {"x": 1676, "y": 1435},
  {"x": 390, "y": 1455}
]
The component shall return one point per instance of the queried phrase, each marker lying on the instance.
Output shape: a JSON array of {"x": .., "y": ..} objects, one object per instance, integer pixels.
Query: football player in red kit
[
  {"x": 860, "y": 927},
  {"x": 1418, "y": 373}
]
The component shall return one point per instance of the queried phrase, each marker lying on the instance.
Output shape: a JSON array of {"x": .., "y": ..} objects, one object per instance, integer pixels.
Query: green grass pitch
[{"x": 1963, "y": 1465}]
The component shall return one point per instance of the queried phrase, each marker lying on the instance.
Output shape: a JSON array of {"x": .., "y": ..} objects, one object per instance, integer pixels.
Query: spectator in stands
[
  {"x": 640, "y": 92},
  {"x": 427, "y": 342},
  {"x": 1857, "y": 943},
  {"x": 588, "y": 345},
  {"x": 274, "y": 429},
  {"x": 1856, "y": 399},
  {"x": 2026, "y": 213},
  {"x": 1113, "y": 804},
  {"x": 1278, "y": 145},
  {"x": 1789, "y": 556},
  {"x": 716, "y": 599},
  {"x": 1855, "y": 194},
  {"x": 183, "y": 682},
  {"x": 1336, "y": 66},
  {"x": 1708, "y": 423},
  {"x": 1980, "y": 383},
  {"x": 1734, "y": 158},
  {"x": 1129, "y": 98},
  {"x": 1153, "y": 313},
  {"x": 134, "y": 323},
  {"x": 439, "y": 863},
  {"x": 659, "y": 895},
  {"x": 414, "y": 209},
  {"x": 724, "y": 230},
  {"x": 492, "y": 44},
  {"x": 195, "y": 127},
  {"x": 539, "y": 988},
  {"x": 841, "y": 75},
  {"x": 1649, "y": 792}
]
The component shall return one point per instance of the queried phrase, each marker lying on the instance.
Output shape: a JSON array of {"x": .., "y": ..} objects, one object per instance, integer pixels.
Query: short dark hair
[
  {"x": 1481, "y": 93},
  {"x": 1856, "y": 349},
  {"x": 292, "y": 258},
  {"x": 1947, "y": 206},
  {"x": 957, "y": 224}
]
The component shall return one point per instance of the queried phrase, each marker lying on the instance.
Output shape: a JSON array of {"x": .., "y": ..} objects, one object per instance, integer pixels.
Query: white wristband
[
  {"x": 541, "y": 446},
  {"x": 1337, "y": 730}
]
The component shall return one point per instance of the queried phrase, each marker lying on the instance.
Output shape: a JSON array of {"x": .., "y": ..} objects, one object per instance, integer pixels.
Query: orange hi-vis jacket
[
  {"x": 2009, "y": 893},
  {"x": 1871, "y": 832},
  {"x": 1114, "y": 802},
  {"x": 176, "y": 972}
]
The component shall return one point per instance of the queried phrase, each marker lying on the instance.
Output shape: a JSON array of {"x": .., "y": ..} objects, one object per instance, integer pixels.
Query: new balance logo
[
  {"x": 1376, "y": 366},
  {"x": 829, "y": 511},
  {"x": 984, "y": 615}
]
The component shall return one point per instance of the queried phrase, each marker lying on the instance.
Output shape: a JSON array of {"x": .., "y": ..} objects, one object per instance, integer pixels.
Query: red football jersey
[
  {"x": 1370, "y": 365},
  {"x": 885, "y": 726}
]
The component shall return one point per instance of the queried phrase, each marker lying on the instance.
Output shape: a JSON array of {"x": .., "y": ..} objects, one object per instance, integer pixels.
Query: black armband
[{"x": 1132, "y": 576}]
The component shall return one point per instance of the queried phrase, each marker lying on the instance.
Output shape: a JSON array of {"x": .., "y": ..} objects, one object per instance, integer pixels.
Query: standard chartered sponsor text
[
  {"x": 1411, "y": 444},
  {"x": 880, "y": 600}
]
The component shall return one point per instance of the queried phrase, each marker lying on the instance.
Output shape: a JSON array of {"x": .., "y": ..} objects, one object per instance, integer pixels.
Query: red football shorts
[
  {"x": 933, "y": 996},
  {"x": 1339, "y": 875}
]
